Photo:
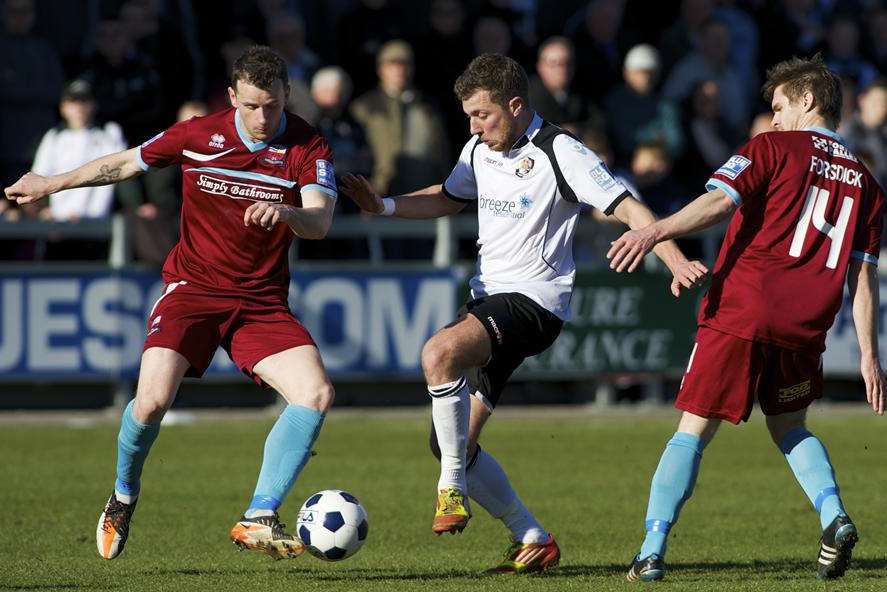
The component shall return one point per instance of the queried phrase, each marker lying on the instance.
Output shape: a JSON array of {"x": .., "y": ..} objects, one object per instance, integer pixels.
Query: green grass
[{"x": 748, "y": 526}]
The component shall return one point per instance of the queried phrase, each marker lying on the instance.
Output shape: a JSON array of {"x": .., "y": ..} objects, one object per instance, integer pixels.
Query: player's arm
[
  {"x": 430, "y": 202},
  {"x": 101, "y": 171},
  {"x": 628, "y": 250},
  {"x": 862, "y": 280},
  {"x": 686, "y": 273},
  {"x": 311, "y": 221}
]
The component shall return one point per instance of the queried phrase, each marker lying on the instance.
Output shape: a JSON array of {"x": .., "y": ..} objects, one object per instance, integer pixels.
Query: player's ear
[
  {"x": 516, "y": 105},
  {"x": 808, "y": 100},
  {"x": 232, "y": 96}
]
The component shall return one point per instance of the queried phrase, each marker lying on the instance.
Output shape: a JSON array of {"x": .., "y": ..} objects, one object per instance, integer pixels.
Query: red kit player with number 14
[
  {"x": 254, "y": 176},
  {"x": 807, "y": 218}
]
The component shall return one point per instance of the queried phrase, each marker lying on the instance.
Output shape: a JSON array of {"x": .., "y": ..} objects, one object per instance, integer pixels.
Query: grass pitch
[{"x": 748, "y": 526}]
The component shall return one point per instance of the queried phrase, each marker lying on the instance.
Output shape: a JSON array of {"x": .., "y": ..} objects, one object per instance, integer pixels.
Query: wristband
[{"x": 387, "y": 206}]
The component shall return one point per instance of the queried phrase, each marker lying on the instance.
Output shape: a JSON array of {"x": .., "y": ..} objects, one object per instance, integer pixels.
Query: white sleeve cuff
[{"x": 388, "y": 206}]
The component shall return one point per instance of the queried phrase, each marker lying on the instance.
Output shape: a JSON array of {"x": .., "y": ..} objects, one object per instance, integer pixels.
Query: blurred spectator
[
  {"x": 843, "y": 56},
  {"x": 709, "y": 137},
  {"x": 711, "y": 62},
  {"x": 551, "y": 89},
  {"x": 651, "y": 176},
  {"x": 331, "y": 91},
  {"x": 599, "y": 41},
  {"x": 798, "y": 28},
  {"x": 30, "y": 83},
  {"x": 492, "y": 35},
  {"x": 151, "y": 204},
  {"x": 877, "y": 37},
  {"x": 760, "y": 123},
  {"x": 74, "y": 143},
  {"x": 230, "y": 50},
  {"x": 286, "y": 35},
  {"x": 360, "y": 34},
  {"x": 635, "y": 111},
  {"x": 682, "y": 37},
  {"x": 405, "y": 134},
  {"x": 126, "y": 83},
  {"x": 867, "y": 131}
]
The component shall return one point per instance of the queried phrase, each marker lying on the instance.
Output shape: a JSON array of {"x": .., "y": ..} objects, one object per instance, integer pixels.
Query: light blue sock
[
  {"x": 287, "y": 449},
  {"x": 810, "y": 463},
  {"x": 672, "y": 486},
  {"x": 133, "y": 443}
]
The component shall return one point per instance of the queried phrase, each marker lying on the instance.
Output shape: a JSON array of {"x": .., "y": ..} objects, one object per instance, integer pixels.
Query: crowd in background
[{"x": 663, "y": 91}]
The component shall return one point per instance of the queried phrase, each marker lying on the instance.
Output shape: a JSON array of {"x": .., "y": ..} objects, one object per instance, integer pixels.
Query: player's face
[
  {"x": 788, "y": 115},
  {"x": 260, "y": 110},
  {"x": 494, "y": 123}
]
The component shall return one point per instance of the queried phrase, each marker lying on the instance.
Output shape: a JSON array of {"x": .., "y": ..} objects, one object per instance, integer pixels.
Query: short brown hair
[
  {"x": 259, "y": 66},
  {"x": 799, "y": 75},
  {"x": 497, "y": 74}
]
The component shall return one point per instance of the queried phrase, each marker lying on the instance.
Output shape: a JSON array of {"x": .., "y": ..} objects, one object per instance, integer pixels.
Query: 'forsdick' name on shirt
[
  {"x": 835, "y": 172},
  {"x": 238, "y": 190}
]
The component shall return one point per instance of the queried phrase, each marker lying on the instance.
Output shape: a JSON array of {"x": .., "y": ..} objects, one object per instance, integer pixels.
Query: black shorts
[{"x": 518, "y": 328}]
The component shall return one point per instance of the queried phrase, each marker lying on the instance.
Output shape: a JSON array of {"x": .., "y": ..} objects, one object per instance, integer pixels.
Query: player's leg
[
  {"x": 445, "y": 358},
  {"x": 160, "y": 374},
  {"x": 794, "y": 382}
]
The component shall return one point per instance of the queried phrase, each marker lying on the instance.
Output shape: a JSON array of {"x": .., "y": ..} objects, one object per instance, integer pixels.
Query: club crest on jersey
[
  {"x": 217, "y": 141},
  {"x": 275, "y": 155},
  {"x": 523, "y": 169}
]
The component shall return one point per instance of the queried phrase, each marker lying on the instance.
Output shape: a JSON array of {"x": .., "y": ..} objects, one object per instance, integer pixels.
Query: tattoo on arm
[{"x": 107, "y": 174}]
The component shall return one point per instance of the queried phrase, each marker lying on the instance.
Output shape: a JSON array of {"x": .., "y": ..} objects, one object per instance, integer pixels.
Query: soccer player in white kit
[{"x": 529, "y": 179}]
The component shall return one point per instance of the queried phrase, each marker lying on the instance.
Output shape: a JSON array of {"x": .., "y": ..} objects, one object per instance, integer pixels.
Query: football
[{"x": 332, "y": 524}]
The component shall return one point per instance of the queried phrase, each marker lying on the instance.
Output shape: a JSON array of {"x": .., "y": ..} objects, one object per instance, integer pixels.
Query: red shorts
[
  {"x": 726, "y": 373},
  {"x": 195, "y": 323}
]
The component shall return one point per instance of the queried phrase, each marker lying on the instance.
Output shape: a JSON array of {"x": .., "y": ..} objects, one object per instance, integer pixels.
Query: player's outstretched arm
[
  {"x": 101, "y": 171},
  {"x": 862, "y": 280},
  {"x": 430, "y": 202},
  {"x": 311, "y": 221},
  {"x": 687, "y": 274}
]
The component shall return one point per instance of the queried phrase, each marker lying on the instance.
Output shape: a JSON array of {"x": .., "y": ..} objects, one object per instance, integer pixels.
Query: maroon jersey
[
  {"x": 224, "y": 173},
  {"x": 806, "y": 206}
]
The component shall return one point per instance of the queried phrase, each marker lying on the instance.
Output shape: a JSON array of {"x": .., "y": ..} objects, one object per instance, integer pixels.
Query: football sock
[
  {"x": 810, "y": 463},
  {"x": 672, "y": 485},
  {"x": 133, "y": 443},
  {"x": 287, "y": 449},
  {"x": 450, "y": 411},
  {"x": 488, "y": 486}
]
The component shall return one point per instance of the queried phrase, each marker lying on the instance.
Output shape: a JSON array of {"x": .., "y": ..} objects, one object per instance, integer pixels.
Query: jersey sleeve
[
  {"x": 316, "y": 172},
  {"x": 461, "y": 185},
  {"x": 746, "y": 174},
  {"x": 584, "y": 177},
  {"x": 163, "y": 149},
  {"x": 867, "y": 236}
]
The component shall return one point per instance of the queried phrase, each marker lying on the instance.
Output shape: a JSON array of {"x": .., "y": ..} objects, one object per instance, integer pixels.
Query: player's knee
[
  {"x": 437, "y": 356},
  {"x": 149, "y": 409},
  {"x": 321, "y": 396}
]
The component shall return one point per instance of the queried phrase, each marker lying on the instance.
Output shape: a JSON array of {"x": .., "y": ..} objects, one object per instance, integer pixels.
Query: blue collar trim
[{"x": 256, "y": 146}]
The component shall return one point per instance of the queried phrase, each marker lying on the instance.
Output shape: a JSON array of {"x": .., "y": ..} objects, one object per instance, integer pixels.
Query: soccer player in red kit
[
  {"x": 254, "y": 176},
  {"x": 807, "y": 218}
]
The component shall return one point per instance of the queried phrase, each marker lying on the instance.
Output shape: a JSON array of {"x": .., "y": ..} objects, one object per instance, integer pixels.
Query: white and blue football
[{"x": 332, "y": 524}]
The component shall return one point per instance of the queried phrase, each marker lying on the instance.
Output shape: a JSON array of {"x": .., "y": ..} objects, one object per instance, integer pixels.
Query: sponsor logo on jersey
[
  {"x": 600, "y": 174},
  {"x": 833, "y": 147},
  {"x": 734, "y": 166},
  {"x": 239, "y": 190},
  {"x": 835, "y": 172},
  {"x": 523, "y": 169},
  {"x": 577, "y": 146},
  {"x": 493, "y": 162},
  {"x": 326, "y": 176},
  {"x": 505, "y": 208},
  {"x": 525, "y": 202},
  {"x": 791, "y": 393},
  {"x": 217, "y": 141}
]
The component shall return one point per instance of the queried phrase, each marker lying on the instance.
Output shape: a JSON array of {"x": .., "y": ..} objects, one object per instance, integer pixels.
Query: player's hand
[
  {"x": 28, "y": 189},
  {"x": 689, "y": 274},
  {"x": 266, "y": 215},
  {"x": 627, "y": 251},
  {"x": 873, "y": 377},
  {"x": 362, "y": 193}
]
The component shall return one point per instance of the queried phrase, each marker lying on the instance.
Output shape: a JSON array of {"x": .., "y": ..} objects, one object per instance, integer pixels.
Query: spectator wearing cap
[
  {"x": 551, "y": 88},
  {"x": 405, "y": 135},
  {"x": 636, "y": 113},
  {"x": 74, "y": 143}
]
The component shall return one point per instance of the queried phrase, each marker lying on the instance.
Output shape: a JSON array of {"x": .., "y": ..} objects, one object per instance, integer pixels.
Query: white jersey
[{"x": 528, "y": 201}]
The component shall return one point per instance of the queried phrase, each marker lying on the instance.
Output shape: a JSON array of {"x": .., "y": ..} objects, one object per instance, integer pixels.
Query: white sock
[
  {"x": 257, "y": 513},
  {"x": 488, "y": 486},
  {"x": 450, "y": 411},
  {"x": 124, "y": 498}
]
